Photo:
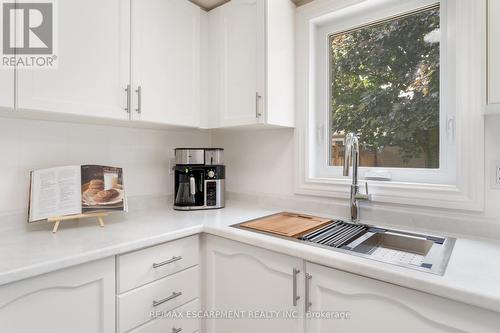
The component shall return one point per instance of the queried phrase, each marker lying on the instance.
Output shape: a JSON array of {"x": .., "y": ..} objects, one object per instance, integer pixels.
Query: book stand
[{"x": 58, "y": 219}]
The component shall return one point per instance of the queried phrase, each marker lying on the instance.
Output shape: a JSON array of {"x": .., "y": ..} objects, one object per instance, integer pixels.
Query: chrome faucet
[{"x": 352, "y": 154}]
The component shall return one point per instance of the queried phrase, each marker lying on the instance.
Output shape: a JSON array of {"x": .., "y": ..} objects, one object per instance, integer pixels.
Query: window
[
  {"x": 384, "y": 85},
  {"x": 408, "y": 77}
]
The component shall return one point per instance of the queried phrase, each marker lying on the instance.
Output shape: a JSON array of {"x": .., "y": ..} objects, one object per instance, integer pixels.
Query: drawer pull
[
  {"x": 166, "y": 299},
  {"x": 169, "y": 261},
  {"x": 308, "y": 302},
  {"x": 295, "y": 297},
  {"x": 176, "y": 330}
]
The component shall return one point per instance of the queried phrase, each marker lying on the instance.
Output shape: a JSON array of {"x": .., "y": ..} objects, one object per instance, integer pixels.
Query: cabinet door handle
[
  {"x": 176, "y": 330},
  {"x": 166, "y": 299},
  {"x": 295, "y": 296},
  {"x": 308, "y": 302},
  {"x": 166, "y": 262},
  {"x": 139, "y": 100},
  {"x": 127, "y": 90},
  {"x": 257, "y": 102}
]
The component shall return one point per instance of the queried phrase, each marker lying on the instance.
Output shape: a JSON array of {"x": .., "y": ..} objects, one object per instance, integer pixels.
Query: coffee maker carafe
[{"x": 199, "y": 179}]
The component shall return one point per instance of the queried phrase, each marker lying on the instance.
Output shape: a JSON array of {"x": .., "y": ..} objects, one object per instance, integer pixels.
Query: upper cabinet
[
  {"x": 494, "y": 53},
  {"x": 251, "y": 64},
  {"x": 166, "y": 61},
  {"x": 93, "y": 62},
  {"x": 98, "y": 49},
  {"x": 7, "y": 88}
]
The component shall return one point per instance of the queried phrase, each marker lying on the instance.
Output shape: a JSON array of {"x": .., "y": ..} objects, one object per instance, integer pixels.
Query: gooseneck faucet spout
[{"x": 351, "y": 157}]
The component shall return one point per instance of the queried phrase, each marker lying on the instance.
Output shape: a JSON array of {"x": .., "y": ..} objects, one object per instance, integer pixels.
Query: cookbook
[{"x": 75, "y": 189}]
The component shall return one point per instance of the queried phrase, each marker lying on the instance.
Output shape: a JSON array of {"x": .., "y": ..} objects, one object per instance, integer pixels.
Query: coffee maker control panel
[{"x": 211, "y": 193}]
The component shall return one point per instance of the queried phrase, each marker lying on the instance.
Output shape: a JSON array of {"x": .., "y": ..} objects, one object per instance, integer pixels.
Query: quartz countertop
[{"x": 472, "y": 275}]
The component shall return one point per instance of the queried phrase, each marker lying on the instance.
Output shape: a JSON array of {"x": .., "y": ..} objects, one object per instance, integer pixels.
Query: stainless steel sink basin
[
  {"x": 425, "y": 253},
  {"x": 390, "y": 242},
  {"x": 422, "y": 252}
]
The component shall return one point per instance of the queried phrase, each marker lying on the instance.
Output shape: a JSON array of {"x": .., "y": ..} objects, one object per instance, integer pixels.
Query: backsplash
[
  {"x": 144, "y": 154},
  {"x": 259, "y": 165}
]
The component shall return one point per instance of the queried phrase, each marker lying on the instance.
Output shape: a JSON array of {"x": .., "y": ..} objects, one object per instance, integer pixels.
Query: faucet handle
[{"x": 367, "y": 196}]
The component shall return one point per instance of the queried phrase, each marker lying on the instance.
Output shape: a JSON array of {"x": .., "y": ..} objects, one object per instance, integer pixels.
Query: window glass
[{"x": 384, "y": 86}]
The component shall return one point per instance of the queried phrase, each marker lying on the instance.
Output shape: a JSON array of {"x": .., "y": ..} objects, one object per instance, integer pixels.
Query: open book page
[
  {"x": 55, "y": 192},
  {"x": 102, "y": 189}
]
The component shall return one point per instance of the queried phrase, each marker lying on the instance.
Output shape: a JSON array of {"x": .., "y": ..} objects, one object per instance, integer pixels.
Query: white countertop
[{"x": 472, "y": 275}]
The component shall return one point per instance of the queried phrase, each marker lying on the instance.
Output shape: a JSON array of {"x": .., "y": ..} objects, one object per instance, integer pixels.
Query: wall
[
  {"x": 32, "y": 144},
  {"x": 258, "y": 162}
]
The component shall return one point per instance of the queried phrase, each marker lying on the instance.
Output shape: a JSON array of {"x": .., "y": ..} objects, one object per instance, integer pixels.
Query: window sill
[{"x": 428, "y": 195}]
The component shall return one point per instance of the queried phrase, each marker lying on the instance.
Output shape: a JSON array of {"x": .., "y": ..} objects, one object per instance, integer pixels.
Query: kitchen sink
[
  {"x": 426, "y": 253},
  {"x": 390, "y": 243}
]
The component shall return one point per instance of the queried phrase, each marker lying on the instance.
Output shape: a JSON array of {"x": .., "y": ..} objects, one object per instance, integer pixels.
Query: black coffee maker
[{"x": 199, "y": 179}]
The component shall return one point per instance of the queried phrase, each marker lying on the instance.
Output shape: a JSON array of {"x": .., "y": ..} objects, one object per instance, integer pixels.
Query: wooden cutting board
[{"x": 287, "y": 224}]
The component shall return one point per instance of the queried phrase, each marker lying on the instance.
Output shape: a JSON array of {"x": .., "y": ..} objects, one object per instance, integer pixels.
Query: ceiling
[{"x": 211, "y": 4}]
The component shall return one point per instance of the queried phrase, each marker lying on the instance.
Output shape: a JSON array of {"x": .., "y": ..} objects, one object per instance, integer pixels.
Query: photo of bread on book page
[
  {"x": 75, "y": 189},
  {"x": 102, "y": 188}
]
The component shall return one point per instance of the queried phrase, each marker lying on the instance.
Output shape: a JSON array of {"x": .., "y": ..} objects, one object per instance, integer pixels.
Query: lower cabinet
[
  {"x": 344, "y": 302},
  {"x": 159, "y": 288},
  {"x": 246, "y": 289},
  {"x": 139, "y": 306},
  {"x": 251, "y": 290},
  {"x": 247, "y": 286},
  {"x": 80, "y": 299}
]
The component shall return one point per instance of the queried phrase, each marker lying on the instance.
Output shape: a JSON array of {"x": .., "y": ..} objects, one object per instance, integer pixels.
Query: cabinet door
[
  {"x": 93, "y": 62},
  {"x": 252, "y": 283},
  {"x": 166, "y": 61},
  {"x": 78, "y": 300},
  {"x": 375, "y": 306},
  {"x": 494, "y": 52},
  {"x": 238, "y": 51},
  {"x": 6, "y": 88}
]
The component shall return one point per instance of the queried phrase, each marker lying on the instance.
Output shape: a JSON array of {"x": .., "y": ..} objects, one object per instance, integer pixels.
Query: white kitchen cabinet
[
  {"x": 7, "y": 88},
  {"x": 138, "y": 268},
  {"x": 78, "y": 300},
  {"x": 377, "y": 306},
  {"x": 93, "y": 62},
  {"x": 251, "y": 60},
  {"x": 158, "y": 279},
  {"x": 135, "y": 306},
  {"x": 494, "y": 53},
  {"x": 166, "y": 60},
  {"x": 250, "y": 281}
]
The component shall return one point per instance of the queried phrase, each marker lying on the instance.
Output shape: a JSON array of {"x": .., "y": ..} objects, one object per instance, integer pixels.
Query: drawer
[
  {"x": 136, "y": 306},
  {"x": 140, "y": 267},
  {"x": 180, "y": 324}
]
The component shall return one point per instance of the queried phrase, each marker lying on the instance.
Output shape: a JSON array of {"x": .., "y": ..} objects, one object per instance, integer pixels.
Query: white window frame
[{"x": 459, "y": 181}]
